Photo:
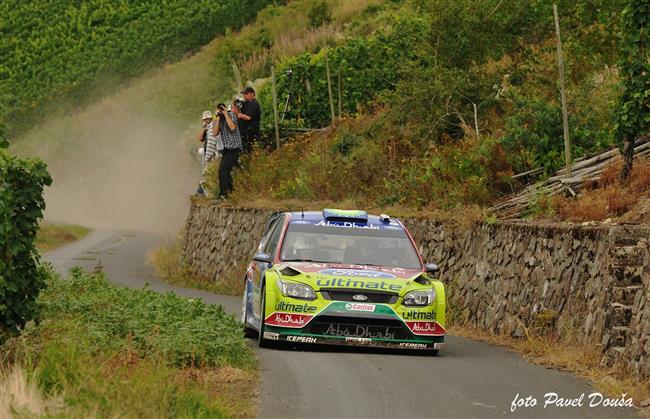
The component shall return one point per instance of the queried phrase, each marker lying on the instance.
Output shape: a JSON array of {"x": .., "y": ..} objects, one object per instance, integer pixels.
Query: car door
[{"x": 256, "y": 272}]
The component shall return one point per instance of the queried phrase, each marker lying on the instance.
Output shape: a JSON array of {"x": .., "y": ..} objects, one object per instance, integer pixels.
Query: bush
[
  {"x": 102, "y": 351},
  {"x": 183, "y": 332},
  {"x": 367, "y": 162},
  {"x": 368, "y": 66},
  {"x": 21, "y": 206},
  {"x": 320, "y": 14}
]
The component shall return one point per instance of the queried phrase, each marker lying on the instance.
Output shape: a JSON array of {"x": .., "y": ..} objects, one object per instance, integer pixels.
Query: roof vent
[{"x": 384, "y": 218}]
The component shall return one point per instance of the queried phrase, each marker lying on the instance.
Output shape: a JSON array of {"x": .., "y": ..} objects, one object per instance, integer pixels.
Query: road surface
[{"x": 467, "y": 380}]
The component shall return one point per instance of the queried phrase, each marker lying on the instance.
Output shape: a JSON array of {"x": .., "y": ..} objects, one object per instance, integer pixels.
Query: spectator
[
  {"x": 209, "y": 147},
  {"x": 232, "y": 146},
  {"x": 249, "y": 119}
]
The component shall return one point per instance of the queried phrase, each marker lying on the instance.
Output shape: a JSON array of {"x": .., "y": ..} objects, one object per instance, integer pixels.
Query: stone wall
[
  {"x": 221, "y": 240},
  {"x": 590, "y": 283}
]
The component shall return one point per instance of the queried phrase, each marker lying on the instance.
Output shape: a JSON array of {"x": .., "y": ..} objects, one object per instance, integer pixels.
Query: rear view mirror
[
  {"x": 262, "y": 257},
  {"x": 432, "y": 268}
]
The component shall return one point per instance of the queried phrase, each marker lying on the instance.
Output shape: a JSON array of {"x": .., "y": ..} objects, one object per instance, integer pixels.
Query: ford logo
[{"x": 359, "y": 297}]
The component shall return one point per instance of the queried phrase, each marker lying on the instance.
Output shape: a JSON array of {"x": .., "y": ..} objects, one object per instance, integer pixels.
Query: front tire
[
  {"x": 261, "y": 342},
  {"x": 248, "y": 331}
]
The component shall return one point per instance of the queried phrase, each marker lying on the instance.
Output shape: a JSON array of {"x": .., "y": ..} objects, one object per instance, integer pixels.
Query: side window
[
  {"x": 268, "y": 230},
  {"x": 272, "y": 244}
]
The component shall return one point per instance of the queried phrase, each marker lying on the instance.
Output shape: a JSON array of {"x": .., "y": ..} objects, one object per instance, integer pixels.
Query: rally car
[{"x": 342, "y": 277}]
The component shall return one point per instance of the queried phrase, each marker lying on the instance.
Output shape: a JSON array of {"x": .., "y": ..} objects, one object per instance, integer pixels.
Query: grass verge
[
  {"x": 568, "y": 356},
  {"x": 50, "y": 236},
  {"x": 103, "y": 351},
  {"x": 168, "y": 262}
]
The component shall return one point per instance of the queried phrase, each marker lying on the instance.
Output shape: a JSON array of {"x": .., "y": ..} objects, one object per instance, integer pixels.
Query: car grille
[
  {"x": 372, "y": 296},
  {"x": 361, "y": 327}
]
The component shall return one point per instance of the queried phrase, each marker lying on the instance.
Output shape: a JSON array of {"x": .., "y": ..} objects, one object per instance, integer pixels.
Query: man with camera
[
  {"x": 226, "y": 125},
  {"x": 248, "y": 114}
]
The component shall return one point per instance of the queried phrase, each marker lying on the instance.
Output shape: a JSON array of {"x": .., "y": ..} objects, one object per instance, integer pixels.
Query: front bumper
[
  {"x": 279, "y": 335},
  {"x": 344, "y": 323}
]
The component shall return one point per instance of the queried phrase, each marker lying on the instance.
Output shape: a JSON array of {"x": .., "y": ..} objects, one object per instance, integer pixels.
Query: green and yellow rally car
[{"x": 342, "y": 277}]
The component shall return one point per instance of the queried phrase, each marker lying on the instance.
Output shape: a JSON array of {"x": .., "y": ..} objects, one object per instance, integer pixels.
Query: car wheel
[
  {"x": 261, "y": 342},
  {"x": 435, "y": 352},
  {"x": 248, "y": 331}
]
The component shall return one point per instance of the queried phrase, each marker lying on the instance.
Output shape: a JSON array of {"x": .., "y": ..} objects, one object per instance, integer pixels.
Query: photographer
[
  {"x": 226, "y": 125},
  {"x": 248, "y": 114},
  {"x": 209, "y": 147}
]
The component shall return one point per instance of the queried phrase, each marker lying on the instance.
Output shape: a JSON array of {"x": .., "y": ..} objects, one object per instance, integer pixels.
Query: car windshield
[{"x": 354, "y": 246}]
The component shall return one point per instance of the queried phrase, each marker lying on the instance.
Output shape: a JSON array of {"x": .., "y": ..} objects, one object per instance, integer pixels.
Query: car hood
[{"x": 331, "y": 275}]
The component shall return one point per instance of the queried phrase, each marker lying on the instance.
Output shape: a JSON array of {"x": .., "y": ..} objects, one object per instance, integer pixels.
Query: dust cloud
[{"x": 117, "y": 167}]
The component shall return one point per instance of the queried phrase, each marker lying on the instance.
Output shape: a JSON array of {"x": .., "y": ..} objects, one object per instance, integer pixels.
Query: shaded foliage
[
  {"x": 21, "y": 207},
  {"x": 634, "y": 112}
]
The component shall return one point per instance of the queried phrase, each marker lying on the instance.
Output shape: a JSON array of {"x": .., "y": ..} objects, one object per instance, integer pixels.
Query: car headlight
[
  {"x": 296, "y": 290},
  {"x": 419, "y": 298}
]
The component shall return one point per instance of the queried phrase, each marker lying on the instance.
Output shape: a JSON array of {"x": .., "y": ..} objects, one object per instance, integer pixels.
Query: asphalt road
[{"x": 466, "y": 380}]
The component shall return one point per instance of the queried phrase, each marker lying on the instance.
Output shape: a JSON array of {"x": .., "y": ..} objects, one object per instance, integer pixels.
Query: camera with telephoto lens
[{"x": 239, "y": 102}]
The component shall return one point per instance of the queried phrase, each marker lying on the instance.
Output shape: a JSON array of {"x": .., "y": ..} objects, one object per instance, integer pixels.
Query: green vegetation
[
  {"x": 634, "y": 114},
  {"x": 55, "y": 50},
  {"x": 96, "y": 343},
  {"x": 21, "y": 207},
  {"x": 413, "y": 74},
  {"x": 313, "y": 25},
  {"x": 50, "y": 236}
]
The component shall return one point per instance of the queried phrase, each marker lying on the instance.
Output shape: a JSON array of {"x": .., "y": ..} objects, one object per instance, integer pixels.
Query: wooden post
[
  {"x": 329, "y": 88},
  {"x": 340, "y": 97},
  {"x": 476, "y": 121},
  {"x": 275, "y": 110},
  {"x": 235, "y": 71},
  {"x": 565, "y": 116}
]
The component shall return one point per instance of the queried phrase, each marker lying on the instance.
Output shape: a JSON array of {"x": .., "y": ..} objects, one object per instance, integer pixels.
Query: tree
[
  {"x": 320, "y": 14},
  {"x": 634, "y": 110},
  {"x": 4, "y": 143}
]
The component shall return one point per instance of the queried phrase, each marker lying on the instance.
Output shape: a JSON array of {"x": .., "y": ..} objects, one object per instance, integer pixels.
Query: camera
[{"x": 239, "y": 102}]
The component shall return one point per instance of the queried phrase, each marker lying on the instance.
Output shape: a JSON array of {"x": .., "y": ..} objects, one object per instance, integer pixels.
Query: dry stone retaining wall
[{"x": 590, "y": 283}]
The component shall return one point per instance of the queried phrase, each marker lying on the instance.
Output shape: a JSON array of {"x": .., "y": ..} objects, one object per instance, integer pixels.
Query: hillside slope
[
  {"x": 442, "y": 102},
  {"x": 129, "y": 160},
  {"x": 58, "y": 54}
]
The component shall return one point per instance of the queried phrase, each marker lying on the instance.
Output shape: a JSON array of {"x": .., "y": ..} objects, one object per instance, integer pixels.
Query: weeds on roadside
[
  {"x": 107, "y": 351},
  {"x": 50, "y": 236},
  {"x": 170, "y": 266}
]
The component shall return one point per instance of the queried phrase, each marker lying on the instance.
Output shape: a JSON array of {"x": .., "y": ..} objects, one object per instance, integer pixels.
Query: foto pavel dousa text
[{"x": 554, "y": 400}]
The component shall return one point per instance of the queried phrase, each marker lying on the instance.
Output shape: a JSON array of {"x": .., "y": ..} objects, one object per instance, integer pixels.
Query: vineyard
[{"x": 53, "y": 50}]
